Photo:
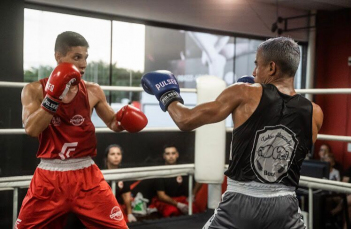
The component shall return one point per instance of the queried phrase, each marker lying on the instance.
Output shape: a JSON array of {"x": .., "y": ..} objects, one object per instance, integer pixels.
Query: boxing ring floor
[
  {"x": 186, "y": 221},
  {"x": 195, "y": 221}
]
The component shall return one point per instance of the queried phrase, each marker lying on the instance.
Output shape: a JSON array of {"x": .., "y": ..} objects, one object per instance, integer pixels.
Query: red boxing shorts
[
  {"x": 75, "y": 185},
  {"x": 167, "y": 210}
]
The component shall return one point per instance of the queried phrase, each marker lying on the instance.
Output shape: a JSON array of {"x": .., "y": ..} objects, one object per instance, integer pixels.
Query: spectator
[
  {"x": 347, "y": 178},
  {"x": 333, "y": 201},
  {"x": 113, "y": 159},
  {"x": 172, "y": 192},
  {"x": 324, "y": 149},
  {"x": 334, "y": 174}
]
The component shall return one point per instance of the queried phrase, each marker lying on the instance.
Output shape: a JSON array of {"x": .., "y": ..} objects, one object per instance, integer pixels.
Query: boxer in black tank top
[
  {"x": 274, "y": 129},
  {"x": 274, "y": 152}
]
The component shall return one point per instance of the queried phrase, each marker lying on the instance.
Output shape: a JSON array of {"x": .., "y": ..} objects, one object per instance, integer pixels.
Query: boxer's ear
[
  {"x": 58, "y": 56},
  {"x": 272, "y": 68}
]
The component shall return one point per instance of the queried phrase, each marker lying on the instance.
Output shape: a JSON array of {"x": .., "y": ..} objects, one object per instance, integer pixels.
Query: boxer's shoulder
[
  {"x": 316, "y": 107},
  {"x": 246, "y": 91},
  {"x": 93, "y": 87},
  {"x": 318, "y": 114},
  {"x": 94, "y": 91},
  {"x": 34, "y": 90},
  {"x": 33, "y": 86}
]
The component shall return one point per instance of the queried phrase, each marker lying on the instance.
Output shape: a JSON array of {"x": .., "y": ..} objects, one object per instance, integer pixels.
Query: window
[
  {"x": 40, "y": 31},
  {"x": 128, "y": 53},
  {"x": 132, "y": 50}
]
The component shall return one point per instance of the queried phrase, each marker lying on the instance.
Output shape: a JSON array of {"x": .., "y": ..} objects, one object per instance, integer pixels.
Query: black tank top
[{"x": 271, "y": 145}]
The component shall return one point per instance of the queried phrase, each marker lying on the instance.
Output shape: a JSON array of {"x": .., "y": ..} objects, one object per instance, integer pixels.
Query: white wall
[{"x": 239, "y": 16}]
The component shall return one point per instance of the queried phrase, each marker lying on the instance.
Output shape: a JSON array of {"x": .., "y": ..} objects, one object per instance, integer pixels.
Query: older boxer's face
[
  {"x": 114, "y": 156},
  {"x": 76, "y": 55},
  {"x": 170, "y": 156},
  {"x": 261, "y": 71}
]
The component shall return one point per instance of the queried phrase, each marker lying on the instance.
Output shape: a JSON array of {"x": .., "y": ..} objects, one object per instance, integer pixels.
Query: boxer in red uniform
[{"x": 58, "y": 111}]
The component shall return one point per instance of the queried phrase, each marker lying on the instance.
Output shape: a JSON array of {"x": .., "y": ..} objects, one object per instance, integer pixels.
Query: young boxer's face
[{"x": 76, "y": 55}]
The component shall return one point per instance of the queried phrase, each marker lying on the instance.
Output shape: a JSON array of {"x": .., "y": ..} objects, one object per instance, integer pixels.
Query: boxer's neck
[{"x": 285, "y": 85}]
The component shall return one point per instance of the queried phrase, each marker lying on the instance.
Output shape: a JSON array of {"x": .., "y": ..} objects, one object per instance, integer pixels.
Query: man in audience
[{"x": 172, "y": 192}]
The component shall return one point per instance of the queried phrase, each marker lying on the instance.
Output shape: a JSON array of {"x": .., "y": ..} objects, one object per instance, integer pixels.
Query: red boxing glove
[
  {"x": 131, "y": 119},
  {"x": 59, "y": 82}
]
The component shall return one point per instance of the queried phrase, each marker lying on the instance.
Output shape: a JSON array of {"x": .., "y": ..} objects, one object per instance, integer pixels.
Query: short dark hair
[
  {"x": 68, "y": 39},
  {"x": 107, "y": 150},
  {"x": 169, "y": 146},
  {"x": 284, "y": 51}
]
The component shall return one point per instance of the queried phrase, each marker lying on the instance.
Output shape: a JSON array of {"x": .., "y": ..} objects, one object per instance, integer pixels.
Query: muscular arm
[
  {"x": 165, "y": 198},
  {"x": 34, "y": 119},
  {"x": 317, "y": 121},
  {"x": 97, "y": 100},
  {"x": 211, "y": 112},
  {"x": 127, "y": 201}
]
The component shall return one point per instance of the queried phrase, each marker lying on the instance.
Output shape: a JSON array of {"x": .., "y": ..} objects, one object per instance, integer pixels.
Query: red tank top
[{"x": 71, "y": 134}]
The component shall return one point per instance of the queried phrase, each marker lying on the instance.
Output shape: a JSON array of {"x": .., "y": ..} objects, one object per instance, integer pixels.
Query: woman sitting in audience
[{"x": 334, "y": 174}]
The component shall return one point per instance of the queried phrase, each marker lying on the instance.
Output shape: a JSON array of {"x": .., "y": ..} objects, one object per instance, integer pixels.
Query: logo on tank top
[
  {"x": 272, "y": 153},
  {"x": 18, "y": 221},
  {"x": 77, "y": 120},
  {"x": 116, "y": 213},
  {"x": 120, "y": 184},
  {"x": 179, "y": 179},
  {"x": 67, "y": 148},
  {"x": 56, "y": 121}
]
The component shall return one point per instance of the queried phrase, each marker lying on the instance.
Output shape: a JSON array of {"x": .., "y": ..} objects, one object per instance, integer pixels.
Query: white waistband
[
  {"x": 65, "y": 165},
  {"x": 257, "y": 189}
]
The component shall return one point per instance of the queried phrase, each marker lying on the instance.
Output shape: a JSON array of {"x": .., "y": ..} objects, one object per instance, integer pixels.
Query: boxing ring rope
[
  {"x": 194, "y": 90},
  {"x": 105, "y": 88},
  {"x": 14, "y": 183},
  {"x": 140, "y": 173},
  {"x": 321, "y": 91},
  {"x": 175, "y": 129}
]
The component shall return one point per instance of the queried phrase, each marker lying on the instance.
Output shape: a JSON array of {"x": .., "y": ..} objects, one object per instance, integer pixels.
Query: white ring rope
[
  {"x": 324, "y": 91},
  {"x": 12, "y": 84},
  {"x": 138, "y": 173},
  {"x": 139, "y": 89},
  {"x": 175, "y": 129},
  {"x": 97, "y": 130},
  {"x": 105, "y": 88},
  {"x": 141, "y": 173},
  {"x": 334, "y": 137}
]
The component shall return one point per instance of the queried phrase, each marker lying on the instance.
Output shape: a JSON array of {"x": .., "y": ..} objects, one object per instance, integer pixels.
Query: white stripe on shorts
[
  {"x": 65, "y": 165},
  {"x": 257, "y": 189}
]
